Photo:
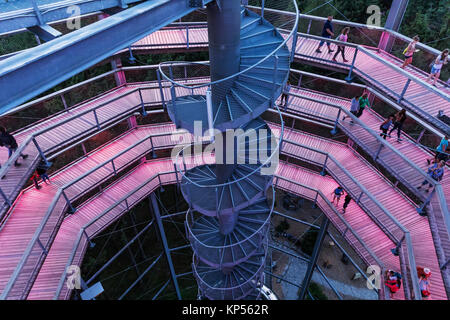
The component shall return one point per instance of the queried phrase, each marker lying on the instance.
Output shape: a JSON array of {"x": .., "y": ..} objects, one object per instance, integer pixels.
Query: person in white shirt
[
  {"x": 354, "y": 108},
  {"x": 440, "y": 61}
]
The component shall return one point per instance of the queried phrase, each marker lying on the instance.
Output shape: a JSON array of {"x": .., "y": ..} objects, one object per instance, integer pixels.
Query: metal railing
[
  {"x": 376, "y": 211},
  {"x": 98, "y": 125},
  {"x": 45, "y": 233},
  {"x": 85, "y": 235},
  {"x": 346, "y": 230},
  {"x": 395, "y": 162}
]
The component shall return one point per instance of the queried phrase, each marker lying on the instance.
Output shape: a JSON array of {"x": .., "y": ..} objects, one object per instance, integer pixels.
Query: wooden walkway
[
  {"x": 109, "y": 108},
  {"x": 384, "y": 78},
  {"x": 391, "y": 198},
  {"x": 53, "y": 268},
  {"x": 396, "y": 203},
  {"x": 412, "y": 151},
  {"x": 32, "y": 205}
]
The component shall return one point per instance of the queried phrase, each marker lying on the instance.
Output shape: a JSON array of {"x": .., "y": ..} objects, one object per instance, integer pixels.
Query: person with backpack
[
  {"x": 436, "y": 68},
  {"x": 354, "y": 108},
  {"x": 400, "y": 118},
  {"x": 337, "y": 193},
  {"x": 409, "y": 52},
  {"x": 343, "y": 37},
  {"x": 327, "y": 32},
  {"x": 8, "y": 141},
  {"x": 436, "y": 172},
  {"x": 384, "y": 127}
]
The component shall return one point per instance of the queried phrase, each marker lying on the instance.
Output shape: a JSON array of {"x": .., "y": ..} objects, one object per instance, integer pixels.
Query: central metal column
[{"x": 224, "y": 28}]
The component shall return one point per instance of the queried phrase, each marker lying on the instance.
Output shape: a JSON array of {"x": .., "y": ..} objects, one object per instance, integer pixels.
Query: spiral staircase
[{"x": 229, "y": 218}]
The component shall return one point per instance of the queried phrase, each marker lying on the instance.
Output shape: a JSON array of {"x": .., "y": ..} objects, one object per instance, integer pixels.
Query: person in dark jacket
[
  {"x": 8, "y": 141},
  {"x": 327, "y": 32},
  {"x": 347, "y": 200},
  {"x": 400, "y": 119}
]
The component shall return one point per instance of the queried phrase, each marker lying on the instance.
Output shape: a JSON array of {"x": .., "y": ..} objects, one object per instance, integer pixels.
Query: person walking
[
  {"x": 337, "y": 193},
  {"x": 8, "y": 141},
  {"x": 436, "y": 172},
  {"x": 409, "y": 52},
  {"x": 400, "y": 118},
  {"x": 393, "y": 281},
  {"x": 327, "y": 32},
  {"x": 441, "y": 151},
  {"x": 440, "y": 61},
  {"x": 384, "y": 127},
  {"x": 363, "y": 103},
  {"x": 347, "y": 200},
  {"x": 343, "y": 37},
  {"x": 41, "y": 171},
  {"x": 354, "y": 108},
  {"x": 285, "y": 95}
]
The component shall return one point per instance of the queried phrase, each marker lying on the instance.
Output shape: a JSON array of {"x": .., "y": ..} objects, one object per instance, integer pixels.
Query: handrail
[
  {"x": 406, "y": 237},
  {"x": 291, "y": 34},
  {"x": 61, "y": 194},
  {"x": 83, "y": 229}
]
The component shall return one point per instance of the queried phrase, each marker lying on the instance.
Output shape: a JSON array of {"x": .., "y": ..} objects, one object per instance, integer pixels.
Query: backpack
[{"x": 399, "y": 279}]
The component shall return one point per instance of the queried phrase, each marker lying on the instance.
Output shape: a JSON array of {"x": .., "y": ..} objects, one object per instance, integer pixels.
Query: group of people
[
  {"x": 397, "y": 121},
  {"x": 393, "y": 280},
  {"x": 435, "y": 66},
  {"x": 7, "y": 140},
  {"x": 358, "y": 105},
  {"x": 337, "y": 194}
]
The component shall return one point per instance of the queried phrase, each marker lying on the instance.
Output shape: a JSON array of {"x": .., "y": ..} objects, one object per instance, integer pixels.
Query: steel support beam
[
  {"x": 393, "y": 22},
  {"x": 29, "y": 73},
  {"x": 24, "y": 14},
  {"x": 313, "y": 261},
  {"x": 45, "y": 32},
  {"x": 162, "y": 233}
]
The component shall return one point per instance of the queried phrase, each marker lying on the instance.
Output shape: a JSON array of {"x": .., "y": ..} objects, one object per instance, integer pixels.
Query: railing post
[
  {"x": 420, "y": 210},
  {"x": 187, "y": 37},
  {"x": 294, "y": 45},
  {"x": 275, "y": 73},
  {"x": 209, "y": 110},
  {"x": 114, "y": 167},
  {"x": 377, "y": 154},
  {"x": 404, "y": 91},
  {"x": 161, "y": 91},
  {"x": 64, "y": 101},
  {"x": 263, "y": 4},
  {"x": 5, "y": 197},
  {"x": 41, "y": 153},
  {"x": 349, "y": 78},
  {"x": 309, "y": 26},
  {"x": 334, "y": 131},
  {"x": 96, "y": 119},
  {"x": 71, "y": 208},
  {"x": 91, "y": 244},
  {"x": 153, "y": 147},
  {"x": 322, "y": 173},
  {"x": 42, "y": 246},
  {"x": 315, "y": 200},
  {"x": 419, "y": 138},
  {"x": 359, "y": 197},
  {"x": 143, "y": 112}
]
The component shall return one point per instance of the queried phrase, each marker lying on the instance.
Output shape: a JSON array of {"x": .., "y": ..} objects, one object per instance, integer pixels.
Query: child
[
  {"x": 385, "y": 126},
  {"x": 343, "y": 37}
]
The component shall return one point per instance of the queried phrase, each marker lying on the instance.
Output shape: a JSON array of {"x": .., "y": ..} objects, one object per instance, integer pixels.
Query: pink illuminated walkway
[
  {"x": 362, "y": 224},
  {"x": 414, "y": 152}
]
